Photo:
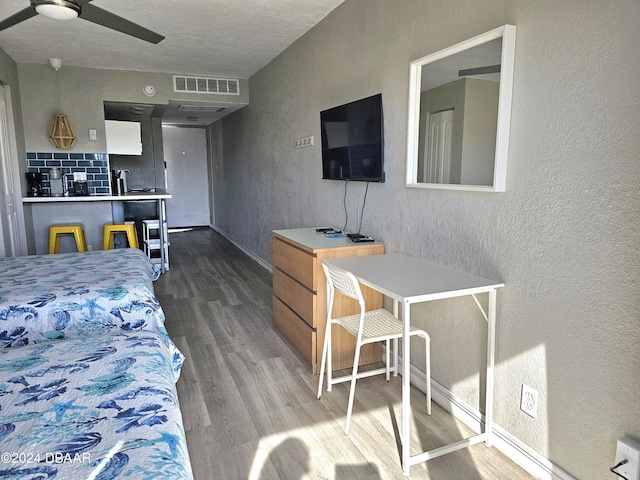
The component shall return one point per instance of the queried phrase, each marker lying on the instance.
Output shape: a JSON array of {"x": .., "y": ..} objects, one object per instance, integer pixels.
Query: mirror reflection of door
[{"x": 438, "y": 147}]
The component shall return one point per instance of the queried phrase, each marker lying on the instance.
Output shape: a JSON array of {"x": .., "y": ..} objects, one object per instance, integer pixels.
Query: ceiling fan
[{"x": 68, "y": 9}]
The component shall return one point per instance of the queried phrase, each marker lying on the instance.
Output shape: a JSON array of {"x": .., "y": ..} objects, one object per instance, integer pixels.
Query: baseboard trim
[
  {"x": 248, "y": 253},
  {"x": 529, "y": 459}
]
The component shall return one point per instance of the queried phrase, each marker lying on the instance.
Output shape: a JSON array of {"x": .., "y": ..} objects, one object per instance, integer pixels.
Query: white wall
[{"x": 564, "y": 237}]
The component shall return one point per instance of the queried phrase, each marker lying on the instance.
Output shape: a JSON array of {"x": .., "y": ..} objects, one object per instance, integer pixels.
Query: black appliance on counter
[
  {"x": 119, "y": 182},
  {"x": 81, "y": 188},
  {"x": 34, "y": 184}
]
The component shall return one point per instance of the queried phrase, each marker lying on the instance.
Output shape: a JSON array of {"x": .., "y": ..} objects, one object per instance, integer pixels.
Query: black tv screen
[{"x": 352, "y": 141}]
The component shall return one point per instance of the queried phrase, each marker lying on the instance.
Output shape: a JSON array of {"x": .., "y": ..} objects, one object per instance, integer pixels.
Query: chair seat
[{"x": 378, "y": 325}]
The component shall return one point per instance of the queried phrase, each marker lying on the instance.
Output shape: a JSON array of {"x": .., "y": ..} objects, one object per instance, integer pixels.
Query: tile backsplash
[{"x": 95, "y": 165}]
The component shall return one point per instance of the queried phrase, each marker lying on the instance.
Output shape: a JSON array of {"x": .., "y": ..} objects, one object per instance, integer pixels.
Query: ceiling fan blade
[
  {"x": 21, "y": 16},
  {"x": 114, "y": 22}
]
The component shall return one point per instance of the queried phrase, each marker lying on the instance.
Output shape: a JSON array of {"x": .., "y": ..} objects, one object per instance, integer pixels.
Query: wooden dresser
[{"x": 299, "y": 296}]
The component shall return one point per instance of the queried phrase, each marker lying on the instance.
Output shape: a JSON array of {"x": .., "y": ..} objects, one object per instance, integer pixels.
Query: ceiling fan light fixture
[{"x": 57, "y": 9}]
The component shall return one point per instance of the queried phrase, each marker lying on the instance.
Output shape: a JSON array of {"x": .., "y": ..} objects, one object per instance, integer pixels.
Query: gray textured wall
[
  {"x": 563, "y": 237},
  {"x": 81, "y": 92}
]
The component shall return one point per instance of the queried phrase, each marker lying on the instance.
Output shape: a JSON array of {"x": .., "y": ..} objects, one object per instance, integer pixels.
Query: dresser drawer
[
  {"x": 296, "y": 333},
  {"x": 296, "y": 263},
  {"x": 299, "y": 299}
]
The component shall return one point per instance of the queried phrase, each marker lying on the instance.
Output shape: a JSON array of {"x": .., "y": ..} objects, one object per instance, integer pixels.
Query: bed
[
  {"x": 57, "y": 297},
  {"x": 101, "y": 407}
]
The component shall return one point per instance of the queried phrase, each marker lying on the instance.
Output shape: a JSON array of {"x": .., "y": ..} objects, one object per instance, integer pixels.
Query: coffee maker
[
  {"x": 34, "y": 184},
  {"x": 119, "y": 182}
]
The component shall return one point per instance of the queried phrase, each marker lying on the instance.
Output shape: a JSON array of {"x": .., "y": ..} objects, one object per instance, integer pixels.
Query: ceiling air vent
[
  {"x": 207, "y": 109},
  {"x": 219, "y": 86}
]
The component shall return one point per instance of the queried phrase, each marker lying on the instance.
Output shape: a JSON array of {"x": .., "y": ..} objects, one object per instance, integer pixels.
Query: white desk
[{"x": 410, "y": 280}]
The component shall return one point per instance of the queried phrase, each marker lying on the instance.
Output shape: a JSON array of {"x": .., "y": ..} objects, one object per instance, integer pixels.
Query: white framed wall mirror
[{"x": 459, "y": 114}]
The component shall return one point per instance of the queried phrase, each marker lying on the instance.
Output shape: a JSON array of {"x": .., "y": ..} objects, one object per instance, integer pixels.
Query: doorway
[
  {"x": 185, "y": 154},
  {"x": 9, "y": 233}
]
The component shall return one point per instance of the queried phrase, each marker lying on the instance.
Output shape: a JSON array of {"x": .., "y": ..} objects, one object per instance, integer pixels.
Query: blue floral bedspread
[
  {"x": 102, "y": 408},
  {"x": 57, "y": 297}
]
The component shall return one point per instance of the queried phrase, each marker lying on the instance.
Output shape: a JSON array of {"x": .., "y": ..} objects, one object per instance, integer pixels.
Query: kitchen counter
[
  {"x": 130, "y": 196},
  {"x": 93, "y": 211}
]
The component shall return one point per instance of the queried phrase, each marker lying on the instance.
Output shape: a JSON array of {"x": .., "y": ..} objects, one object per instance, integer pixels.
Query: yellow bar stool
[
  {"x": 56, "y": 231},
  {"x": 110, "y": 230}
]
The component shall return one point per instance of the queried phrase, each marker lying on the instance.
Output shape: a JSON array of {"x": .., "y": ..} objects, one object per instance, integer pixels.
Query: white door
[
  {"x": 185, "y": 155},
  {"x": 9, "y": 240},
  {"x": 438, "y": 147}
]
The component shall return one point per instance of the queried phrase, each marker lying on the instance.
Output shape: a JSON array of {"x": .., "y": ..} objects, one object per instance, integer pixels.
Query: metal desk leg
[
  {"x": 491, "y": 343},
  {"x": 406, "y": 389},
  {"x": 395, "y": 342},
  {"x": 161, "y": 233}
]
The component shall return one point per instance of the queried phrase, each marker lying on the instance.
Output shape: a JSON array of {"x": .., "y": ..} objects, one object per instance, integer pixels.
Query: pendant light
[{"x": 62, "y": 135}]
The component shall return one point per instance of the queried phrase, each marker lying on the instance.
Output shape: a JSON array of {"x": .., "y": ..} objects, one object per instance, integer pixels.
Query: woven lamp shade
[{"x": 62, "y": 134}]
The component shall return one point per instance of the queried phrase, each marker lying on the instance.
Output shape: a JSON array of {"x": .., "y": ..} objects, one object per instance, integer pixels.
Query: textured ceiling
[
  {"x": 230, "y": 38},
  {"x": 224, "y": 38}
]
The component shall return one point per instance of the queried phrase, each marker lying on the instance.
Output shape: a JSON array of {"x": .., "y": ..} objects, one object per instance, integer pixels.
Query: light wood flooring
[{"x": 249, "y": 406}]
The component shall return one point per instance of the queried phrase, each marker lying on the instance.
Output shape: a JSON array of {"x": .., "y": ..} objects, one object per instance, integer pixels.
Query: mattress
[
  {"x": 57, "y": 297},
  {"x": 101, "y": 408}
]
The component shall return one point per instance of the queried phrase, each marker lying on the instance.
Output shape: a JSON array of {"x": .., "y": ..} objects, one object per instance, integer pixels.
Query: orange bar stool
[
  {"x": 110, "y": 230},
  {"x": 56, "y": 231}
]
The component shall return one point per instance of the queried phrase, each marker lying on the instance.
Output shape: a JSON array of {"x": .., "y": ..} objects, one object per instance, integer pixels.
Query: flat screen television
[{"x": 352, "y": 141}]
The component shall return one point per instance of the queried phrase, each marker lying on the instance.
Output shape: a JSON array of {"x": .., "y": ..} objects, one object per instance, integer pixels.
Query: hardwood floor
[{"x": 249, "y": 406}]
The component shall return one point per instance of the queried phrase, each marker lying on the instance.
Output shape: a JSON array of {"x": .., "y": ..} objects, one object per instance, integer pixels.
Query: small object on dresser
[{"x": 361, "y": 239}]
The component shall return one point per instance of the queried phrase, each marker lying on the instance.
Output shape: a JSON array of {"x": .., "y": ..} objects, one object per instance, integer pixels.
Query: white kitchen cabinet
[{"x": 123, "y": 138}]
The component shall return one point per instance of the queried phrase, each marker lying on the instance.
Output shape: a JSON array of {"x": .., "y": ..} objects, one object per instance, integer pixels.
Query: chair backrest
[{"x": 344, "y": 282}]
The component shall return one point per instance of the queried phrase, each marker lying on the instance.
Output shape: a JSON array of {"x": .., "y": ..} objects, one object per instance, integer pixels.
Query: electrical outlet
[
  {"x": 629, "y": 450},
  {"x": 529, "y": 401},
  {"x": 304, "y": 142},
  {"x": 90, "y": 248}
]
